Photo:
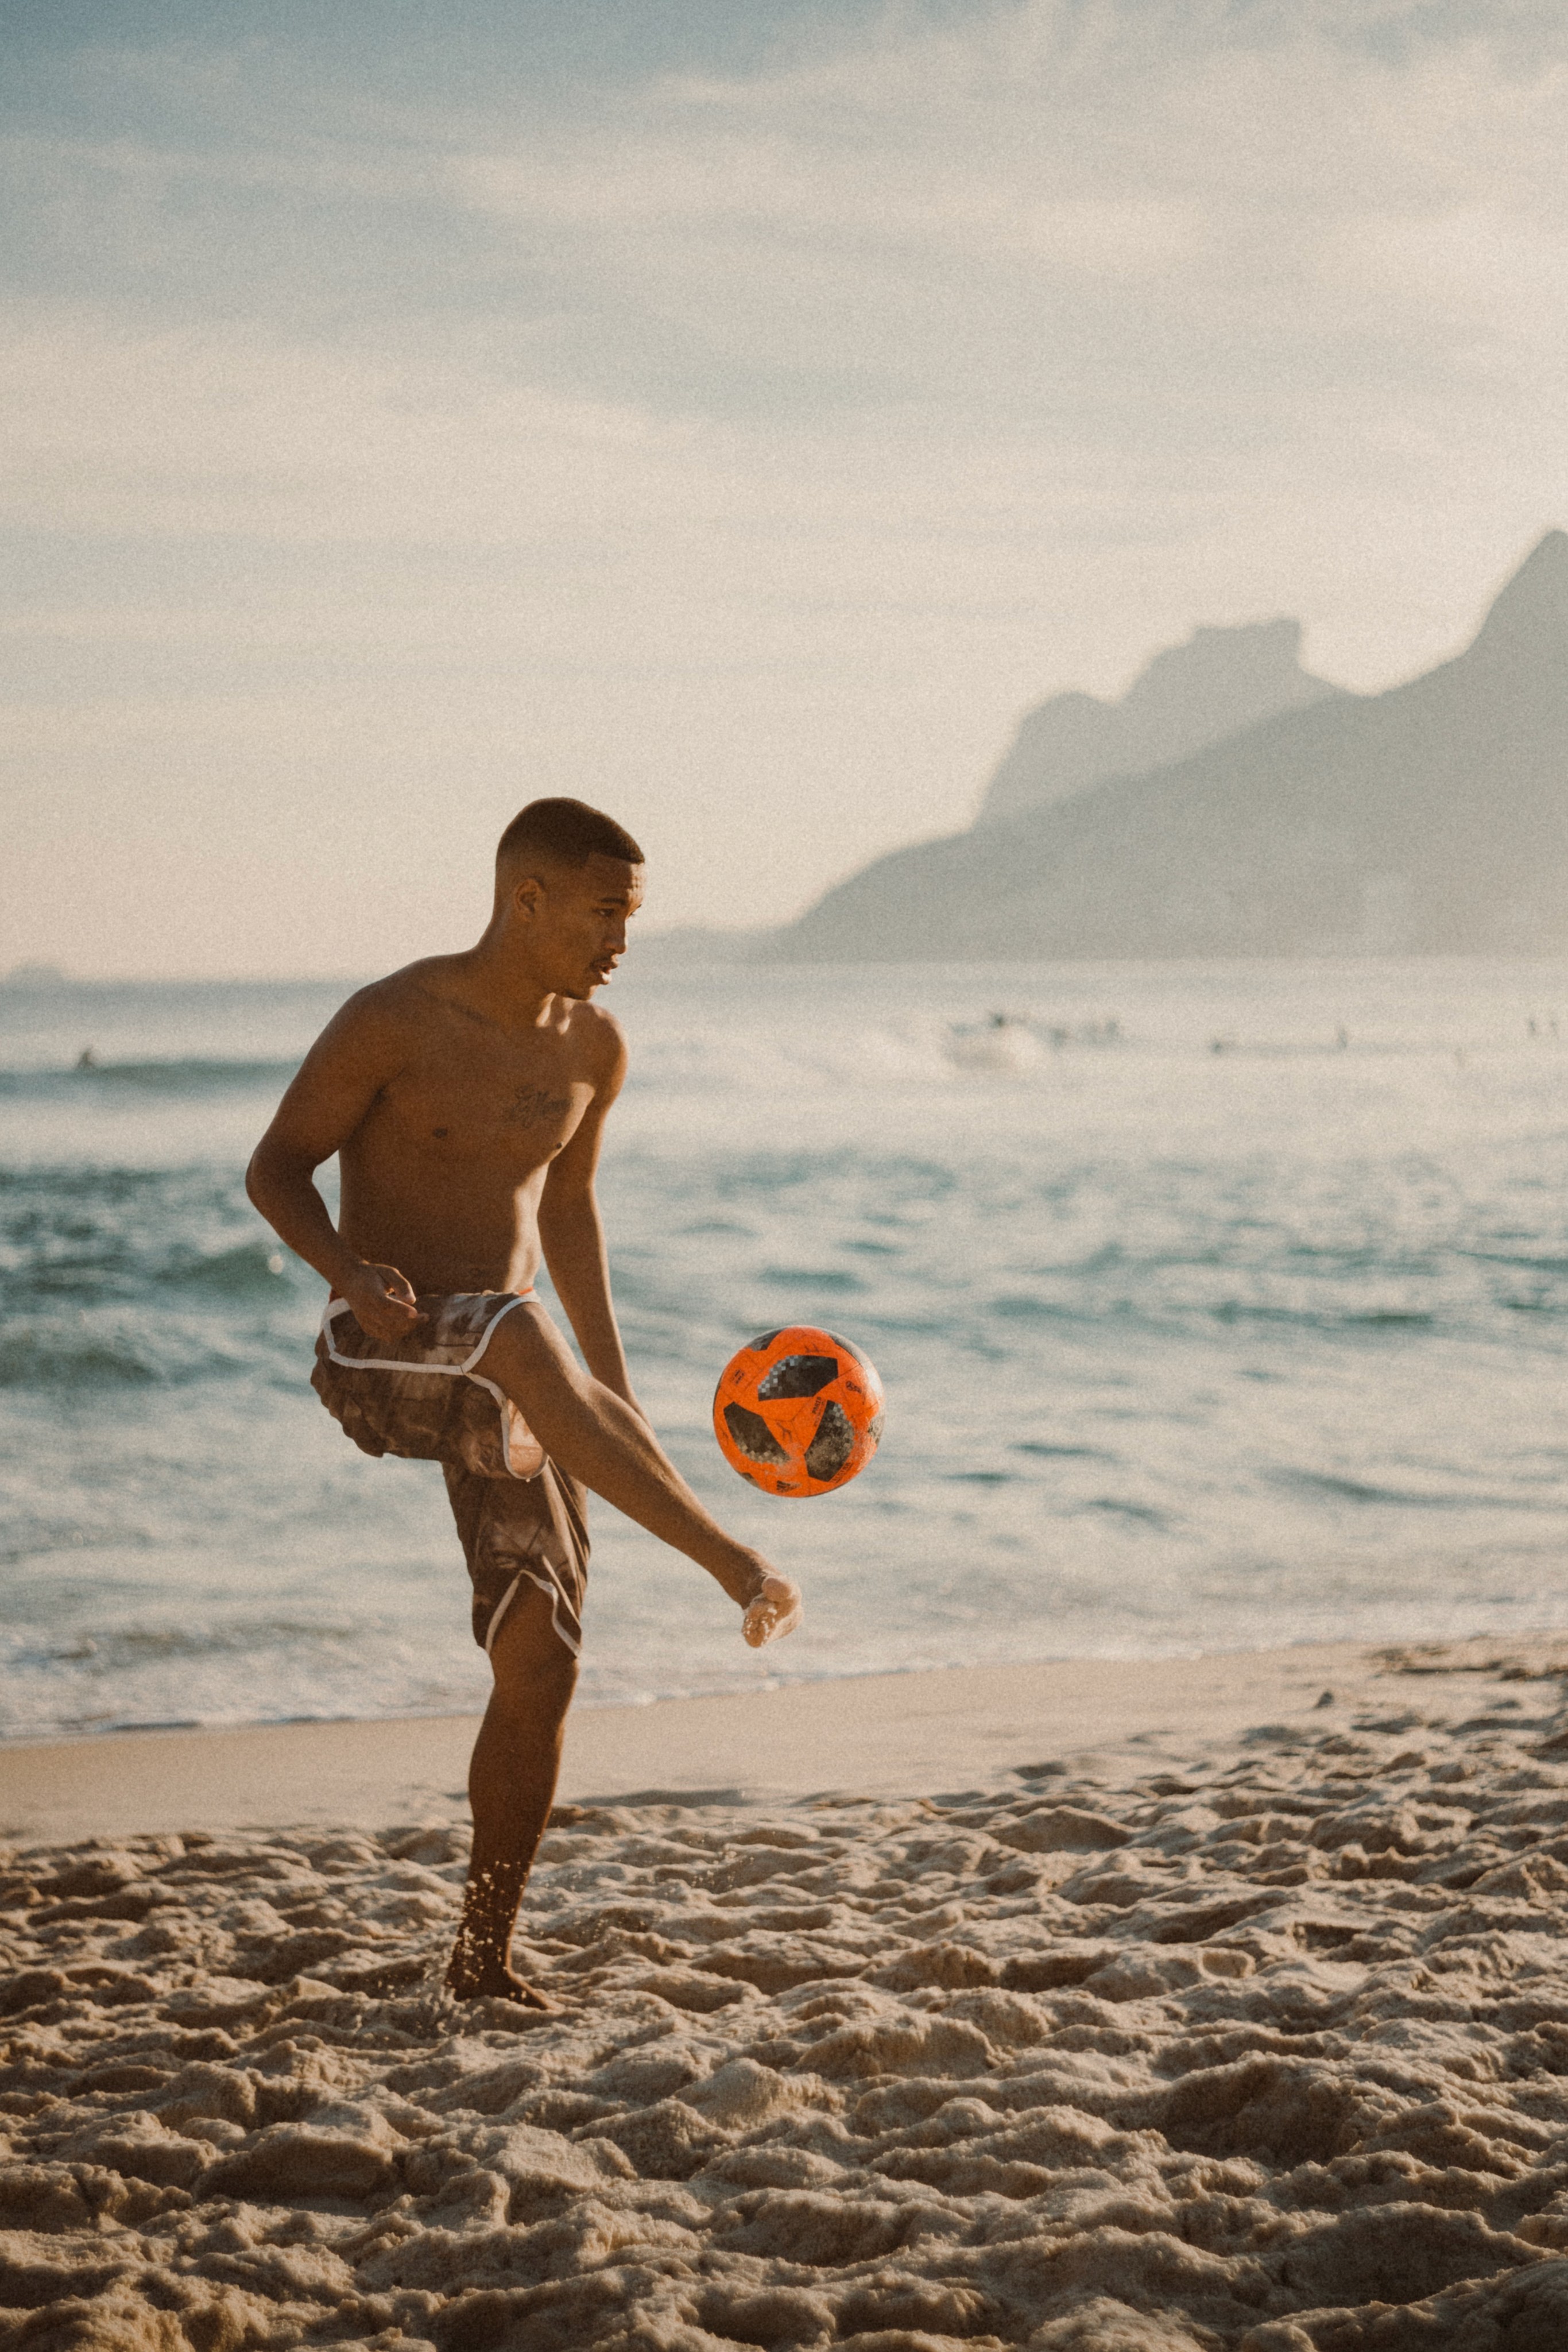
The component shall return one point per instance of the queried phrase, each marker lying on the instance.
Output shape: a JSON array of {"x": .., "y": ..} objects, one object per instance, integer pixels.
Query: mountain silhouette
[
  {"x": 1185, "y": 698},
  {"x": 1430, "y": 819}
]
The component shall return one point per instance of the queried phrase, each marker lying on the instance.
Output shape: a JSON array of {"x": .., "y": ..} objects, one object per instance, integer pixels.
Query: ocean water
[{"x": 1233, "y": 1315}]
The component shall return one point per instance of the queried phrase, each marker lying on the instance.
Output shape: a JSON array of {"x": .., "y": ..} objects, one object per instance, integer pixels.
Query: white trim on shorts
[
  {"x": 546, "y": 1584},
  {"x": 464, "y": 1371}
]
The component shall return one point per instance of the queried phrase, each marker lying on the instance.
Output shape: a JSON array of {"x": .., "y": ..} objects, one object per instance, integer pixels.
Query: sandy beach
[{"x": 1213, "y": 2003}]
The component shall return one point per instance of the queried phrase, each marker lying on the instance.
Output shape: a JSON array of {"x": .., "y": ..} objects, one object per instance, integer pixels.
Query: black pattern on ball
[
  {"x": 799, "y": 1375},
  {"x": 833, "y": 1443},
  {"x": 752, "y": 1434}
]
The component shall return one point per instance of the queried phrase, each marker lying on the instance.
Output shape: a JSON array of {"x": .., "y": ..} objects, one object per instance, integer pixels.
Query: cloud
[
  {"x": 314, "y": 441},
  {"x": 958, "y": 212}
]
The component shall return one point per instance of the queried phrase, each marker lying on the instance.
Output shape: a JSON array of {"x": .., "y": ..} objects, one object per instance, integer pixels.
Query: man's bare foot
[
  {"x": 499, "y": 1984},
  {"x": 774, "y": 1612},
  {"x": 480, "y": 1967}
]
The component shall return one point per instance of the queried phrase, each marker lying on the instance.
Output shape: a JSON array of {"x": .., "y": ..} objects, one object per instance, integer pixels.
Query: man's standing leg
[{"x": 511, "y": 1785}]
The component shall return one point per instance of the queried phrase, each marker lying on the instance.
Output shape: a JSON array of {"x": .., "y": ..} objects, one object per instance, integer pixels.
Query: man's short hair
[{"x": 569, "y": 832}]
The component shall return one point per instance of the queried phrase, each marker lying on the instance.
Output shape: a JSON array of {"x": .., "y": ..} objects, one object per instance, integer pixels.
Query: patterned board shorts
[{"x": 519, "y": 1514}]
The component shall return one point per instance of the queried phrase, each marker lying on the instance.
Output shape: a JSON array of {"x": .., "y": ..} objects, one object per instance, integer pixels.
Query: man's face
[{"x": 579, "y": 922}]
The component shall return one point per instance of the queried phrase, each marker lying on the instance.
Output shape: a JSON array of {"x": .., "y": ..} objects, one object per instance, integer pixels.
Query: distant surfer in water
[{"x": 466, "y": 1097}]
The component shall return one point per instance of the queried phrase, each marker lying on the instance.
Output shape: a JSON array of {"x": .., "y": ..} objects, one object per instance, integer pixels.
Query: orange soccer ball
[{"x": 798, "y": 1411}]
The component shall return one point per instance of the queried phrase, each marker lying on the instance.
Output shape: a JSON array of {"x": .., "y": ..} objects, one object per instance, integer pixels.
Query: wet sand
[
  {"x": 1172, "y": 2010},
  {"x": 882, "y": 1734}
]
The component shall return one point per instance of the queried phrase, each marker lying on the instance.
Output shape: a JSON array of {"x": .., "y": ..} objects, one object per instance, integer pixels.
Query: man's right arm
[{"x": 331, "y": 1092}]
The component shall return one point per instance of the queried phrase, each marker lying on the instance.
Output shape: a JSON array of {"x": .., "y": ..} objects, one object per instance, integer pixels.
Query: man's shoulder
[
  {"x": 600, "y": 1038},
  {"x": 380, "y": 1024},
  {"x": 407, "y": 994}
]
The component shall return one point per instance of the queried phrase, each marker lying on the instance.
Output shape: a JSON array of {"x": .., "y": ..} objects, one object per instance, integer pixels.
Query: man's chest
[{"x": 508, "y": 1106}]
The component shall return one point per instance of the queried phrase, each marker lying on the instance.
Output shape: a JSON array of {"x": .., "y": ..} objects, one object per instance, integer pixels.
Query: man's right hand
[{"x": 381, "y": 1300}]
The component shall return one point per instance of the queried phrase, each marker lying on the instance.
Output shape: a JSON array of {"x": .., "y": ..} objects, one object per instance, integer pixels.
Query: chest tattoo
[{"x": 532, "y": 1106}]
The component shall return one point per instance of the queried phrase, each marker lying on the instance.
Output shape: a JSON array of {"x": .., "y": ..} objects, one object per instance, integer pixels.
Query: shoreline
[{"x": 906, "y": 1734}]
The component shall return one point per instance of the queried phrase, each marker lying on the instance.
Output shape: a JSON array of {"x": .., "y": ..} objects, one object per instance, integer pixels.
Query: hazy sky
[{"x": 733, "y": 413}]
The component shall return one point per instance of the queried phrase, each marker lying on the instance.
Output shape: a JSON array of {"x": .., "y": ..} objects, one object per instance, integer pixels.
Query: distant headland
[{"x": 1232, "y": 804}]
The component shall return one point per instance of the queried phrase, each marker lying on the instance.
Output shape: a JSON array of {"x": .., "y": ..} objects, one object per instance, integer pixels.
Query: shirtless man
[{"x": 466, "y": 1097}]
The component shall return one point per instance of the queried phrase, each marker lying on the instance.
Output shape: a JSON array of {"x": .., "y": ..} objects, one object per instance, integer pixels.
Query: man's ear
[{"x": 527, "y": 896}]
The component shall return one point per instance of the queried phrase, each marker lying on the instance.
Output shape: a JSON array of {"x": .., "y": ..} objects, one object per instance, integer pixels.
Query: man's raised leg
[
  {"x": 511, "y": 1784},
  {"x": 593, "y": 1435}
]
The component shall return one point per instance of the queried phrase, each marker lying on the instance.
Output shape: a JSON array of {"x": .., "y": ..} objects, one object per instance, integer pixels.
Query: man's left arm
[{"x": 572, "y": 1236}]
